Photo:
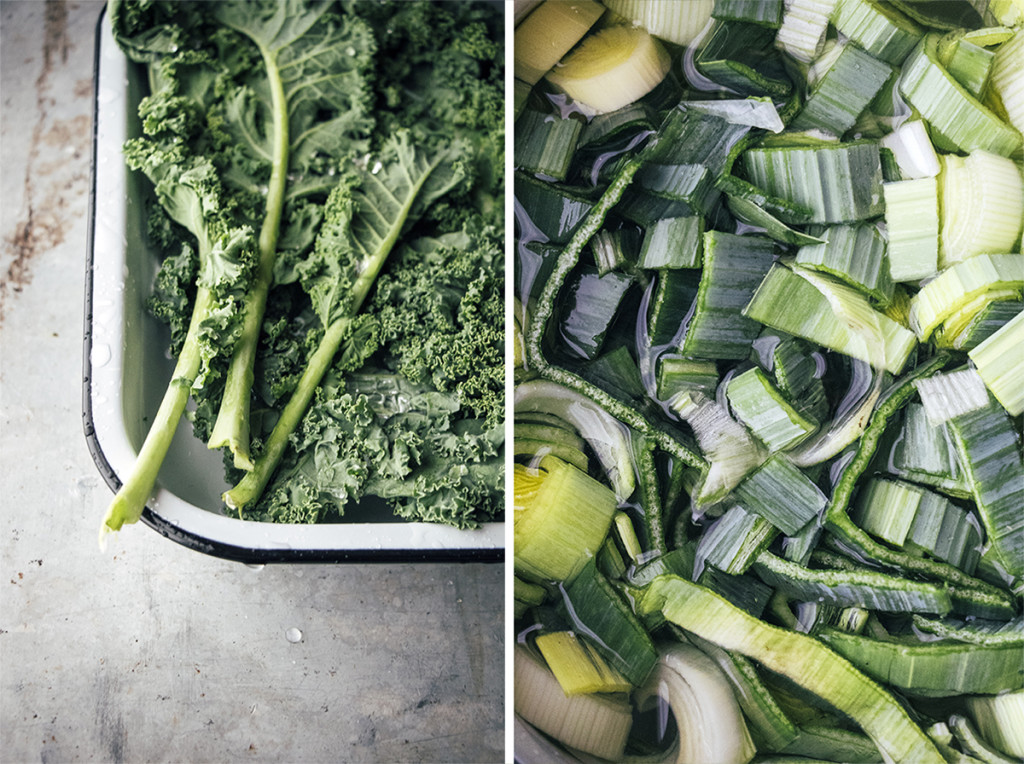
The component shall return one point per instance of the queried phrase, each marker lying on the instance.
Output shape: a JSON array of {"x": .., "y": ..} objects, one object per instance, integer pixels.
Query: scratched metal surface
[{"x": 148, "y": 651}]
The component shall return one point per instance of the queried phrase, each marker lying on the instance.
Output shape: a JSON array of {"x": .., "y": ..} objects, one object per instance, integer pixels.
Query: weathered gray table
[{"x": 149, "y": 651}]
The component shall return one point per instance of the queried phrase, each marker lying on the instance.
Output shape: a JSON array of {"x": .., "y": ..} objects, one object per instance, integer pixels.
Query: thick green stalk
[
  {"x": 232, "y": 426},
  {"x": 255, "y": 480},
  {"x": 135, "y": 491}
]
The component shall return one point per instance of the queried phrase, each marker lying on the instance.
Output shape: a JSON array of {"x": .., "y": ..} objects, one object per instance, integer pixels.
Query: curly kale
[
  {"x": 440, "y": 307},
  {"x": 292, "y": 145}
]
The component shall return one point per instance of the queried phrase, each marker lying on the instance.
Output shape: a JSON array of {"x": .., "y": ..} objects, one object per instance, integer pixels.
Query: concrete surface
[{"x": 149, "y": 651}]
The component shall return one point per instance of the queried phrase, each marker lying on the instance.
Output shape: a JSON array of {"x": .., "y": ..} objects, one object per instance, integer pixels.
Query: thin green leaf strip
[{"x": 798, "y": 657}]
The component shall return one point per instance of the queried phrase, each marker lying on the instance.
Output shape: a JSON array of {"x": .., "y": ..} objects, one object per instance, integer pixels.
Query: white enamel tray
[{"x": 126, "y": 370}]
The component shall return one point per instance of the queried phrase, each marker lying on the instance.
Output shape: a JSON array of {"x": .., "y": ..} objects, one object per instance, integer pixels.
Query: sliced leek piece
[
  {"x": 800, "y": 658},
  {"x": 951, "y": 394},
  {"x": 709, "y": 720},
  {"x": 677, "y": 22},
  {"x": 593, "y": 607},
  {"x": 829, "y": 313},
  {"x": 856, "y": 255},
  {"x": 782, "y": 494},
  {"x": 1000, "y": 720},
  {"x": 598, "y": 724},
  {"x": 734, "y": 540},
  {"x": 803, "y": 29},
  {"x": 761, "y": 407},
  {"x": 969, "y": 63},
  {"x": 842, "y": 90},
  {"x": 958, "y": 120},
  {"x": 957, "y": 285},
  {"x": 548, "y": 33},
  {"x": 913, "y": 150},
  {"x": 562, "y": 516},
  {"x": 1006, "y": 79},
  {"x": 728, "y": 446},
  {"x": 838, "y": 182},
  {"x": 1000, "y": 362},
  {"x": 578, "y": 668},
  {"x": 935, "y": 669},
  {"x": 982, "y": 205},
  {"x": 912, "y": 222},
  {"x": 605, "y": 436},
  {"x": 851, "y": 588},
  {"x": 877, "y": 27},
  {"x": 989, "y": 449},
  {"x": 612, "y": 68},
  {"x": 733, "y": 267}
]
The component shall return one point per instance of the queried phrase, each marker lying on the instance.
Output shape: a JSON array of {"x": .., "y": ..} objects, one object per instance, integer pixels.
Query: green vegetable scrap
[
  {"x": 814, "y": 473},
  {"x": 328, "y": 180}
]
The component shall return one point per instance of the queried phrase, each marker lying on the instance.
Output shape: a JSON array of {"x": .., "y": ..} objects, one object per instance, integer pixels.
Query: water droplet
[
  {"x": 100, "y": 355},
  {"x": 293, "y": 635}
]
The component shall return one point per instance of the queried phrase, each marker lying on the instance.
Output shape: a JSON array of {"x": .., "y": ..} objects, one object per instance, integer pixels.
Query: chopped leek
[
  {"x": 1000, "y": 720},
  {"x": 1000, "y": 362},
  {"x": 1006, "y": 80},
  {"x": 912, "y": 221},
  {"x": 548, "y": 33},
  {"x": 840, "y": 183},
  {"x": 855, "y": 254},
  {"x": 578, "y": 668},
  {"x": 913, "y": 150},
  {"x": 803, "y": 29},
  {"x": 829, "y": 313},
  {"x": 561, "y": 517},
  {"x": 877, "y": 27},
  {"x": 612, "y": 68},
  {"x": 842, "y": 90},
  {"x": 982, "y": 200},
  {"x": 709, "y": 723},
  {"x": 598, "y": 724},
  {"x": 958, "y": 120},
  {"x": 957, "y": 285},
  {"x": 676, "y": 22},
  {"x": 759, "y": 405}
]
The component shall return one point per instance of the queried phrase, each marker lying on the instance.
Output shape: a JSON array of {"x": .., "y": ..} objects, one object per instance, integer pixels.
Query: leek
[
  {"x": 982, "y": 206},
  {"x": 912, "y": 222},
  {"x": 612, "y": 68},
  {"x": 828, "y": 313},
  {"x": 1006, "y": 80},
  {"x": 709, "y": 722},
  {"x": 670, "y": 20},
  {"x": 842, "y": 90},
  {"x": 799, "y": 658},
  {"x": 839, "y": 183},
  {"x": 561, "y": 516},
  {"x": 958, "y": 120},
  {"x": 962, "y": 282},
  {"x": 878, "y": 28},
  {"x": 856, "y": 255},
  {"x": 803, "y": 29},
  {"x": 548, "y": 33},
  {"x": 1000, "y": 720},
  {"x": 578, "y": 668},
  {"x": 1000, "y": 363},
  {"x": 763, "y": 409},
  {"x": 596, "y": 724}
]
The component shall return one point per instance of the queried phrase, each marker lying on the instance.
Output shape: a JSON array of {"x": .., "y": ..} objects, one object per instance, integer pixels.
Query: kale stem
[
  {"x": 255, "y": 480},
  {"x": 232, "y": 426},
  {"x": 133, "y": 494}
]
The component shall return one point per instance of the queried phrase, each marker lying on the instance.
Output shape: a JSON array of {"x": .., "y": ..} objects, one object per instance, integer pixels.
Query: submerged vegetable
[{"x": 805, "y": 397}]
